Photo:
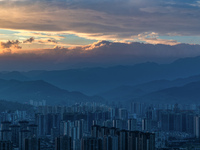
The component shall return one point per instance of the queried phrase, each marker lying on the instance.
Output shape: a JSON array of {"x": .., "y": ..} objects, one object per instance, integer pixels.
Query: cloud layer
[
  {"x": 117, "y": 24},
  {"x": 102, "y": 53},
  {"x": 102, "y": 20}
]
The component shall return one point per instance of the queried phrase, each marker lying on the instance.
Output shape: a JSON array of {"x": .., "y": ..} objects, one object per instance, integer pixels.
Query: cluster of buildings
[
  {"x": 19, "y": 136},
  {"x": 79, "y": 127},
  {"x": 104, "y": 138},
  {"x": 93, "y": 126}
]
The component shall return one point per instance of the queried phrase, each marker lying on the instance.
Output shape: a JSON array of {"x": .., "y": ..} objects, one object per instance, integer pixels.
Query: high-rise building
[
  {"x": 23, "y": 125},
  {"x": 114, "y": 138},
  {"x": 5, "y": 131},
  {"x": 6, "y": 135},
  {"x": 75, "y": 133},
  {"x": 5, "y": 125},
  {"x": 76, "y": 144},
  {"x": 91, "y": 143},
  {"x": 132, "y": 124},
  {"x": 41, "y": 122},
  {"x": 31, "y": 143},
  {"x": 149, "y": 141},
  {"x": 63, "y": 143},
  {"x": 123, "y": 114},
  {"x": 33, "y": 130},
  {"x": 178, "y": 121},
  {"x": 141, "y": 141},
  {"x": 95, "y": 131},
  {"x": 54, "y": 133},
  {"x": 52, "y": 121},
  {"x": 137, "y": 108},
  {"x": 164, "y": 121},
  {"x": 178, "y": 126},
  {"x": 117, "y": 123},
  {"x": 151, "y": 113},
  {"x": 123, "y": 140},
  {"x": 104, "y": 131},
  {"x": 62, "y": 127},
  {"x": 15, "y": 129},
  {"x": 110, "y": 142},
  {"x": 22, "y": 135},
  {"x": 6, "y": 145},
  {"x": 146, "y": 124},
  {"x": 82, "y": 126},
  {"x": 108, "y": 123},
  {"x": 197, "y": 126},
  {"x": 190, "y": 123}
]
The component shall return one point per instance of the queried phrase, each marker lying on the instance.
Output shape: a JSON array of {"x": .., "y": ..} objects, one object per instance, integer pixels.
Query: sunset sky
[{"x": 67, "y": 33}]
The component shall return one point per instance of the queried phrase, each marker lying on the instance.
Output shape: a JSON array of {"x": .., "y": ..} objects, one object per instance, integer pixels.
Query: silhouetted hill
[
  {"x": 23, "y": 91},
  {"x": 130, "y": 92},
  {"x": 188, "y": 93},
  {"x": 96, "y": 80},
  {"x": 13, "y": 75},
  {"x": 13, "y": 106}
]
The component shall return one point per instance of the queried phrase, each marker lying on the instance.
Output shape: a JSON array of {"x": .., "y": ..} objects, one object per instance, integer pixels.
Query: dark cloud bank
[{"x": 102, "y": 53}]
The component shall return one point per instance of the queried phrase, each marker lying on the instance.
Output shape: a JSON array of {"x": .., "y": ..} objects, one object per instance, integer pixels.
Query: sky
[{"x": 61, "y": 34}]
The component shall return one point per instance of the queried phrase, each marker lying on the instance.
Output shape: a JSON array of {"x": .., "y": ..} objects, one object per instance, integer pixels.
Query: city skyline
[{"x": 99, "y": 74}]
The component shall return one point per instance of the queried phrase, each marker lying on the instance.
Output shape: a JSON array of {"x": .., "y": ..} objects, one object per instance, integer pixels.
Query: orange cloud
[
  {"x": 153, "y": 38},
  {"x": 102, "y": 52}
]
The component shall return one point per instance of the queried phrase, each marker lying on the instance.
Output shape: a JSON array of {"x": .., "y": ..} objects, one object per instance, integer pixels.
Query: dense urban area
[{"x": 95, "y": 126}]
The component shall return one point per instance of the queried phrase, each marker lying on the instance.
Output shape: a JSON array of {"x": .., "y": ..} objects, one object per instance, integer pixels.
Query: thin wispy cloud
[{"x": 48, "y": 41}]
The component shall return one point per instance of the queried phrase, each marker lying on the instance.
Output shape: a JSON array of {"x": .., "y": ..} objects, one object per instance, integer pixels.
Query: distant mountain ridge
[
  {"x": 23, "y": 91},
  {"x": 114, "y": 83},
  {"x": 13, "y": 75},
  {"x": 96, "y": 80},
  {"x": 13, "y": 106},
  {"x": 130, "y": 92},
  {"x": 188, "y": 94}
]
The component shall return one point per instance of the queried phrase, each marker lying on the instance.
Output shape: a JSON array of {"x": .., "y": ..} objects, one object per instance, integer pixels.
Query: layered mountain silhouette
[
  {"x": 96, "y": 80},
  {"x": 187, "y": 94},
  {"x": 23, "y": 91},
  {"x": 142, "y": 82},
  {"x": 14, "y": 106},
  {"x": 130, "y": 92},
  {"x": 13, "y": 75}
]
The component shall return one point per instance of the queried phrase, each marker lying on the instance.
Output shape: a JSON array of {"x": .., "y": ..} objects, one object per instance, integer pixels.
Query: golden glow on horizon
[
  {"x": 53, "y": 22},
  {"x": 48, "y": 40}
]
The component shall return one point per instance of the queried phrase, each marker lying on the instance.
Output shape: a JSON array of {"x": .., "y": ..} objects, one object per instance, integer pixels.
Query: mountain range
[
  {"x": 130, "y": 92},
  {"x": 187, "y": 94},
  {"x": 141, "y": 82},
  {"x": 24, "y": 91},
  {"x": 95, "y": 80}
]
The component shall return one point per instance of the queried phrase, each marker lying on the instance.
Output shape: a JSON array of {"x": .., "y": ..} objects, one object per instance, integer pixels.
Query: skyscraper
[
  {"x": 6, "y": 145},
  {"x": 41, "y": 122},
  {"x": 63, "y": 143},
  {"x": 31, "y": 143},
  {"x": 5, "y": 131},
  {"x": 22, "y": 135},
  {"x": 146, "y": 124},
  {"x": 33, "y": 130},
  {"x": 15, "y": 129},
  {"x": 132, "y": 124}
]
